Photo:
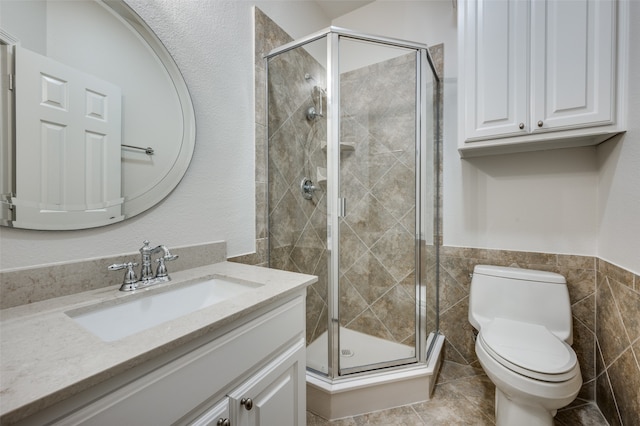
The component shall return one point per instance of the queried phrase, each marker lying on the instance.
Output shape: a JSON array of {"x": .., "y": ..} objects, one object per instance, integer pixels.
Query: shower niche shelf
[
  {"x": 321, "y": 175},
  {"x": 344, "y": 146}
]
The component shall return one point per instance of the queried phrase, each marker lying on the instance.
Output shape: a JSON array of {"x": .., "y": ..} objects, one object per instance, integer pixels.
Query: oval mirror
[{"x": 98, "y": 124}]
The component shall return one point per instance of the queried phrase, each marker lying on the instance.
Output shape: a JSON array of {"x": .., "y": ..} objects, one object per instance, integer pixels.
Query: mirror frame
[{"x": 168, "y": 182}]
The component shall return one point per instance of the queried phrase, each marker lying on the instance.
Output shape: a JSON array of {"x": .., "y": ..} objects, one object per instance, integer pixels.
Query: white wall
[
  {"x": 424, "y": 21},
  {"x": 619, "y": 179},
  {"x": 215, "y": 199},
  {"x": 30, "y": 18}
]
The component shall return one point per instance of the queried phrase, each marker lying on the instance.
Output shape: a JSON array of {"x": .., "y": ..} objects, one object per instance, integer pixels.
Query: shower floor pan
[
  {"x": 356, "y": 349},
  {"x": 373, "y": 391}
]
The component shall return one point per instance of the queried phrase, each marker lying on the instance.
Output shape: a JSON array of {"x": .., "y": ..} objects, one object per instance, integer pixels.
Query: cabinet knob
[
  {"x": 247, "y": 403},
  {"x": 540, "y": 123},
  {"x": 521, "y": 126},
  {"x": 223, "y": 422}
]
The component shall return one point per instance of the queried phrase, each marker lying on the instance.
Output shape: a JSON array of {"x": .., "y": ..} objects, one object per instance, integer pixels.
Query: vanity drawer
[{"x": 169, "y": 392}]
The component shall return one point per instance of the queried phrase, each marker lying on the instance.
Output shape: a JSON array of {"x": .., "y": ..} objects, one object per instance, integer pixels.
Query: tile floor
[{"x": 463, "y": 396}]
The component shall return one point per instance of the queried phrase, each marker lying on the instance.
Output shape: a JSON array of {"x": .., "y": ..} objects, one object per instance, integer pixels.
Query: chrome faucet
[{"x": 147, "y": 277}]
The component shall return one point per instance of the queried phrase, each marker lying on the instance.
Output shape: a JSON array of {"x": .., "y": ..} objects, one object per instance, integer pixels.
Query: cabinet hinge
[
  {"x": 6, "y": 201},
  {"x": 11, "y": 83}
]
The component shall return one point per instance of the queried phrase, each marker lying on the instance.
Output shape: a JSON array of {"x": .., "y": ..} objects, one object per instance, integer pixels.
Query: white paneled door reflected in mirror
[{"x": 86, "y": 140}]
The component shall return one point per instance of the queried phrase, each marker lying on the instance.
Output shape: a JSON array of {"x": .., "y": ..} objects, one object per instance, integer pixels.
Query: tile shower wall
[
  {"x": 617, "y": 326},
  {"x": 377, "y": 236},
  {"x": 377, "y": 295},
  {"x": 606, "y": 320},
  {"x": 298, "y": 242},
  {"x": 298, "y": 226}
]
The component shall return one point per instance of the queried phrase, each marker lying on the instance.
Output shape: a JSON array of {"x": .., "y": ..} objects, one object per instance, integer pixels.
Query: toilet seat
[{"x": 528, "y": 349}]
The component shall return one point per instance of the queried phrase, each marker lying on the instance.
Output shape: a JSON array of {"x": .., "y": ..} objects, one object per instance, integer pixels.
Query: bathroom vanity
[{"x": 240, "y": 361}]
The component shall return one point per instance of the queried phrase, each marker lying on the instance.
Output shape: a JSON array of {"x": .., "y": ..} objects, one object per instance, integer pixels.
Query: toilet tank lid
[{"x": 519, "y": 274}]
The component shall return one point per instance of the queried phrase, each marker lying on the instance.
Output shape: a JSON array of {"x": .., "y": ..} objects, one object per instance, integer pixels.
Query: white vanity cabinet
[
  {"x": 537, "y": 74},
  {"x": 218, "y": 415},
  {"x": 270, "y": 397},
  {"x": 273, "y": 396},
  {"x": 251, "y": 372}
]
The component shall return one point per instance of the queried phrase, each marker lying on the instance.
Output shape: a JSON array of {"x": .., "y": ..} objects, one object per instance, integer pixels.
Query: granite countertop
[{"x": 47, "y": 357}]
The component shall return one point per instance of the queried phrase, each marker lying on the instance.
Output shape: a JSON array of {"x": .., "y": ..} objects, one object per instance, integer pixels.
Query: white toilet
[{"x": 524, "y": 322}]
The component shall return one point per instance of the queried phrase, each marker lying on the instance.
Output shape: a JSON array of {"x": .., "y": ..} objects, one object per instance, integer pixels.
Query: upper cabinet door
[
  {"x": 573, "y": 63},
  {"x": 496, "y": 51},
  {"x": 540, "y": 74}
]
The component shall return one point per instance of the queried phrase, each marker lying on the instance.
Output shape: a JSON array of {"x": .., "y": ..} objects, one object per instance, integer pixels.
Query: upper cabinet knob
[
  {"x": 540, "y": 123},
  {"x": 521, "y": 126}
]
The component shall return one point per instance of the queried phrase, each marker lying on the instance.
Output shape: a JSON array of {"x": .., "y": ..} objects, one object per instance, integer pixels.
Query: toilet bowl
[
  {"x": 527, "y": 396},
  {"x": 522, "y": 343}
]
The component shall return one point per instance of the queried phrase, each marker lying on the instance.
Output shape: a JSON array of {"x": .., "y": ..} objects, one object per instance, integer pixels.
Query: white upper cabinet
[
  {"x": 495, "y": 71},
  {"x": 538, "y": 74}
]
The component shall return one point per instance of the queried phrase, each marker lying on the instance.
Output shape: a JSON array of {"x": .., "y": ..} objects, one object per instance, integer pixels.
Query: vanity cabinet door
[
  {"x": 275, "y": 395},
  {"x": 218, "y": 415}
]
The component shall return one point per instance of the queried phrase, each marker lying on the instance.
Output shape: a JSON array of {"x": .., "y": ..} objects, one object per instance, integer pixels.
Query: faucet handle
[
  {"x": 130, "y": 279},
  {"x": 162, "y": 269}
]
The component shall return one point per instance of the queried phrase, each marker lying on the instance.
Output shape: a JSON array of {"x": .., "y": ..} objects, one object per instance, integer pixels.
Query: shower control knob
[
  {"x": 521, "y": 126},
  {"x": 307, "y": 188},
  {"x": 247, "y": 403},
  {"x": 223, "y": 422},
  {"x": 540, "y": 123}
]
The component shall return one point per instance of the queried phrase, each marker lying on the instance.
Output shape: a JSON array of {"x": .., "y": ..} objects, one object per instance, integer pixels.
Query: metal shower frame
[{"x": 334, "y": 204}]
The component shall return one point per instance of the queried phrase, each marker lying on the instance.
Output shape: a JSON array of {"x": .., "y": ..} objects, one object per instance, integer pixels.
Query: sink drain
[{"x": 347, "y": 353}]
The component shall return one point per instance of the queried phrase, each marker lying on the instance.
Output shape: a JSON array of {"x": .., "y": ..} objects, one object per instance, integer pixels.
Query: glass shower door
[
  {"x": 296, "y": 175},
  {"x": 378, "y": 152}
]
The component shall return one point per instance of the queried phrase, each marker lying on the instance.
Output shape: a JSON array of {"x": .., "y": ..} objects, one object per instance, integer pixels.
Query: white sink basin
[{"x": 111, "y": 323}]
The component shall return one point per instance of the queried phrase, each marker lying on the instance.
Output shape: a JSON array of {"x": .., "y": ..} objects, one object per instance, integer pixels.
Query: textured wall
[{"x": 211, "y": 41}]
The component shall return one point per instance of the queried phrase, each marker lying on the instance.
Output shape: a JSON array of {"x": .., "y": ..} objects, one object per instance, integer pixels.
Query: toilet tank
[{"x": 517, "y": 294}]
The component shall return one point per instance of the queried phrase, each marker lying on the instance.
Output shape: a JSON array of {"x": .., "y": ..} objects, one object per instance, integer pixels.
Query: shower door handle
[{"x": 342, "y": 207}]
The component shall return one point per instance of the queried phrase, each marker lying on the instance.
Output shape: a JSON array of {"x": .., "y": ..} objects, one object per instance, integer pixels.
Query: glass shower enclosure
[{"x": 352, "y": 194}]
